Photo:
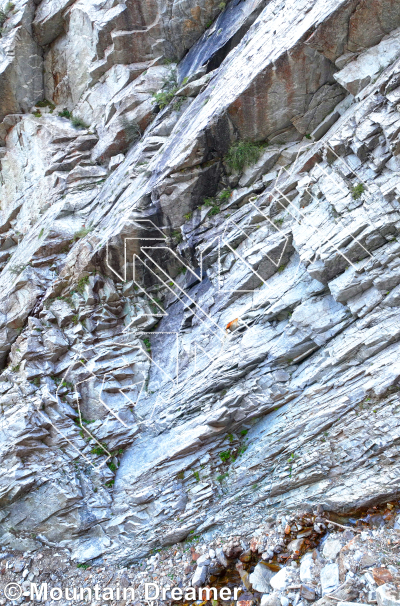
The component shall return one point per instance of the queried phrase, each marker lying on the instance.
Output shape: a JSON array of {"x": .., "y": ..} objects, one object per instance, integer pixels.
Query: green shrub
[
  {"x": 357, "y": 191},
  {"x": 167, "y": 93},
  {"x": 225, "y": 455},
  {"x": 37, "y": 114},
  {"x": 81, "y": 233},
  {"x": 177, "y": 235},
  {"x": 242, "y": 154},
  {"x": 163, "y": 98},
  {"x": 196, "y": 476},
  {"x": 46, "y": 103},
  {"x": 224, "y": 195},
  {"x": 188, "y": 216},
  {"x": 98, "y": 450},
  {"x": 65, "y": 114},
  {"x": 78, "y": 122},
  {"x": 80, "y": 287}
]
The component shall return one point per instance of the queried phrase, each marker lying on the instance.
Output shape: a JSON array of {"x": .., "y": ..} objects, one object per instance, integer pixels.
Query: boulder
[
  {"x": 388, "y": 595},
  {"x": 261, "y": 577},
  {"x": 329, "y": 578}
]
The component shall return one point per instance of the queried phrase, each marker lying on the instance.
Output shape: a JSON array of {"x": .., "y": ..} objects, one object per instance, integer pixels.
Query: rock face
[{"x": 200, "y": 282}]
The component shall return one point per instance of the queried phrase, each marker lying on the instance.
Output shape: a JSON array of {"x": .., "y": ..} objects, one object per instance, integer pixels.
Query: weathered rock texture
[{"x": 185, "y": 347}]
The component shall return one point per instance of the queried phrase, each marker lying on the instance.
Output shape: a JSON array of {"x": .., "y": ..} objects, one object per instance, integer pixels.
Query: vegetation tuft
[
  {"x": 46, "y": 103},
  {"x": 65, "y": 114},
  {"x": 357, "y": 191},
  {"x": 81, "y": 233},
  {"x": 243, "y": 154},
  {"x": 78, "y": 122},
  {"x": 167, "y": 93}
]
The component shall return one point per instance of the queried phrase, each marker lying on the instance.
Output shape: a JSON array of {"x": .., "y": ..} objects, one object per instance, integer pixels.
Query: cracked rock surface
[{"x": 193, "y": 342}]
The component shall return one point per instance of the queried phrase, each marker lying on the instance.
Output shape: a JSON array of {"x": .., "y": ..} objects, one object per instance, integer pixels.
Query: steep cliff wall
[{"x": 200, "y": 277}]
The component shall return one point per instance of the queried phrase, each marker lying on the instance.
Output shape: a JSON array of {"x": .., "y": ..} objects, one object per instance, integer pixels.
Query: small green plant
[
  {"x": 244, "y": 432},
  {"x": 36, "y": 381},
  {"x": 222, "y": 477},
  {"x": 208, "y": 202},
  {"x": 147, "y": 344},
  {"x": 80, "y": 287},
  {"x": 230, "y": 437},
  {"x": 196, "y": 476},
  {"x": 112, "y": 466},
  {"x": 163, "y": 98},
  {"x": 209, "y": 23},
  {"x": 78, "y": 122},
  {"x": 222, "y": 6},
  {"x": 98, "y": 450},
  {"x": 75, "y": 320},
  {"x": 357, "y": 191},
  {"x": 225, "y": 455},
  {"x": 281, "y": 268},
  {"x": 188, "y": 216},
  {"x": 307, "y": 136},
  {"x": 65, "y": 114},
  {"x": 41, "y": 233},
  {"x": 81, "y": 233},
  {"x": 84, "y": 566},
  {"x": 224, "y": 195},
  {"x": 180, "y": 475},
  {"x": 178, "y": 103},
  {"x": 177, "y": 236},
  {"x": 15, "y": 368},
  {"x": 243, "y": 154},
  {"x": 167, "y": 93},
  {"x": 37, "y": 114},
  {"x": 46, "y": 103}
]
